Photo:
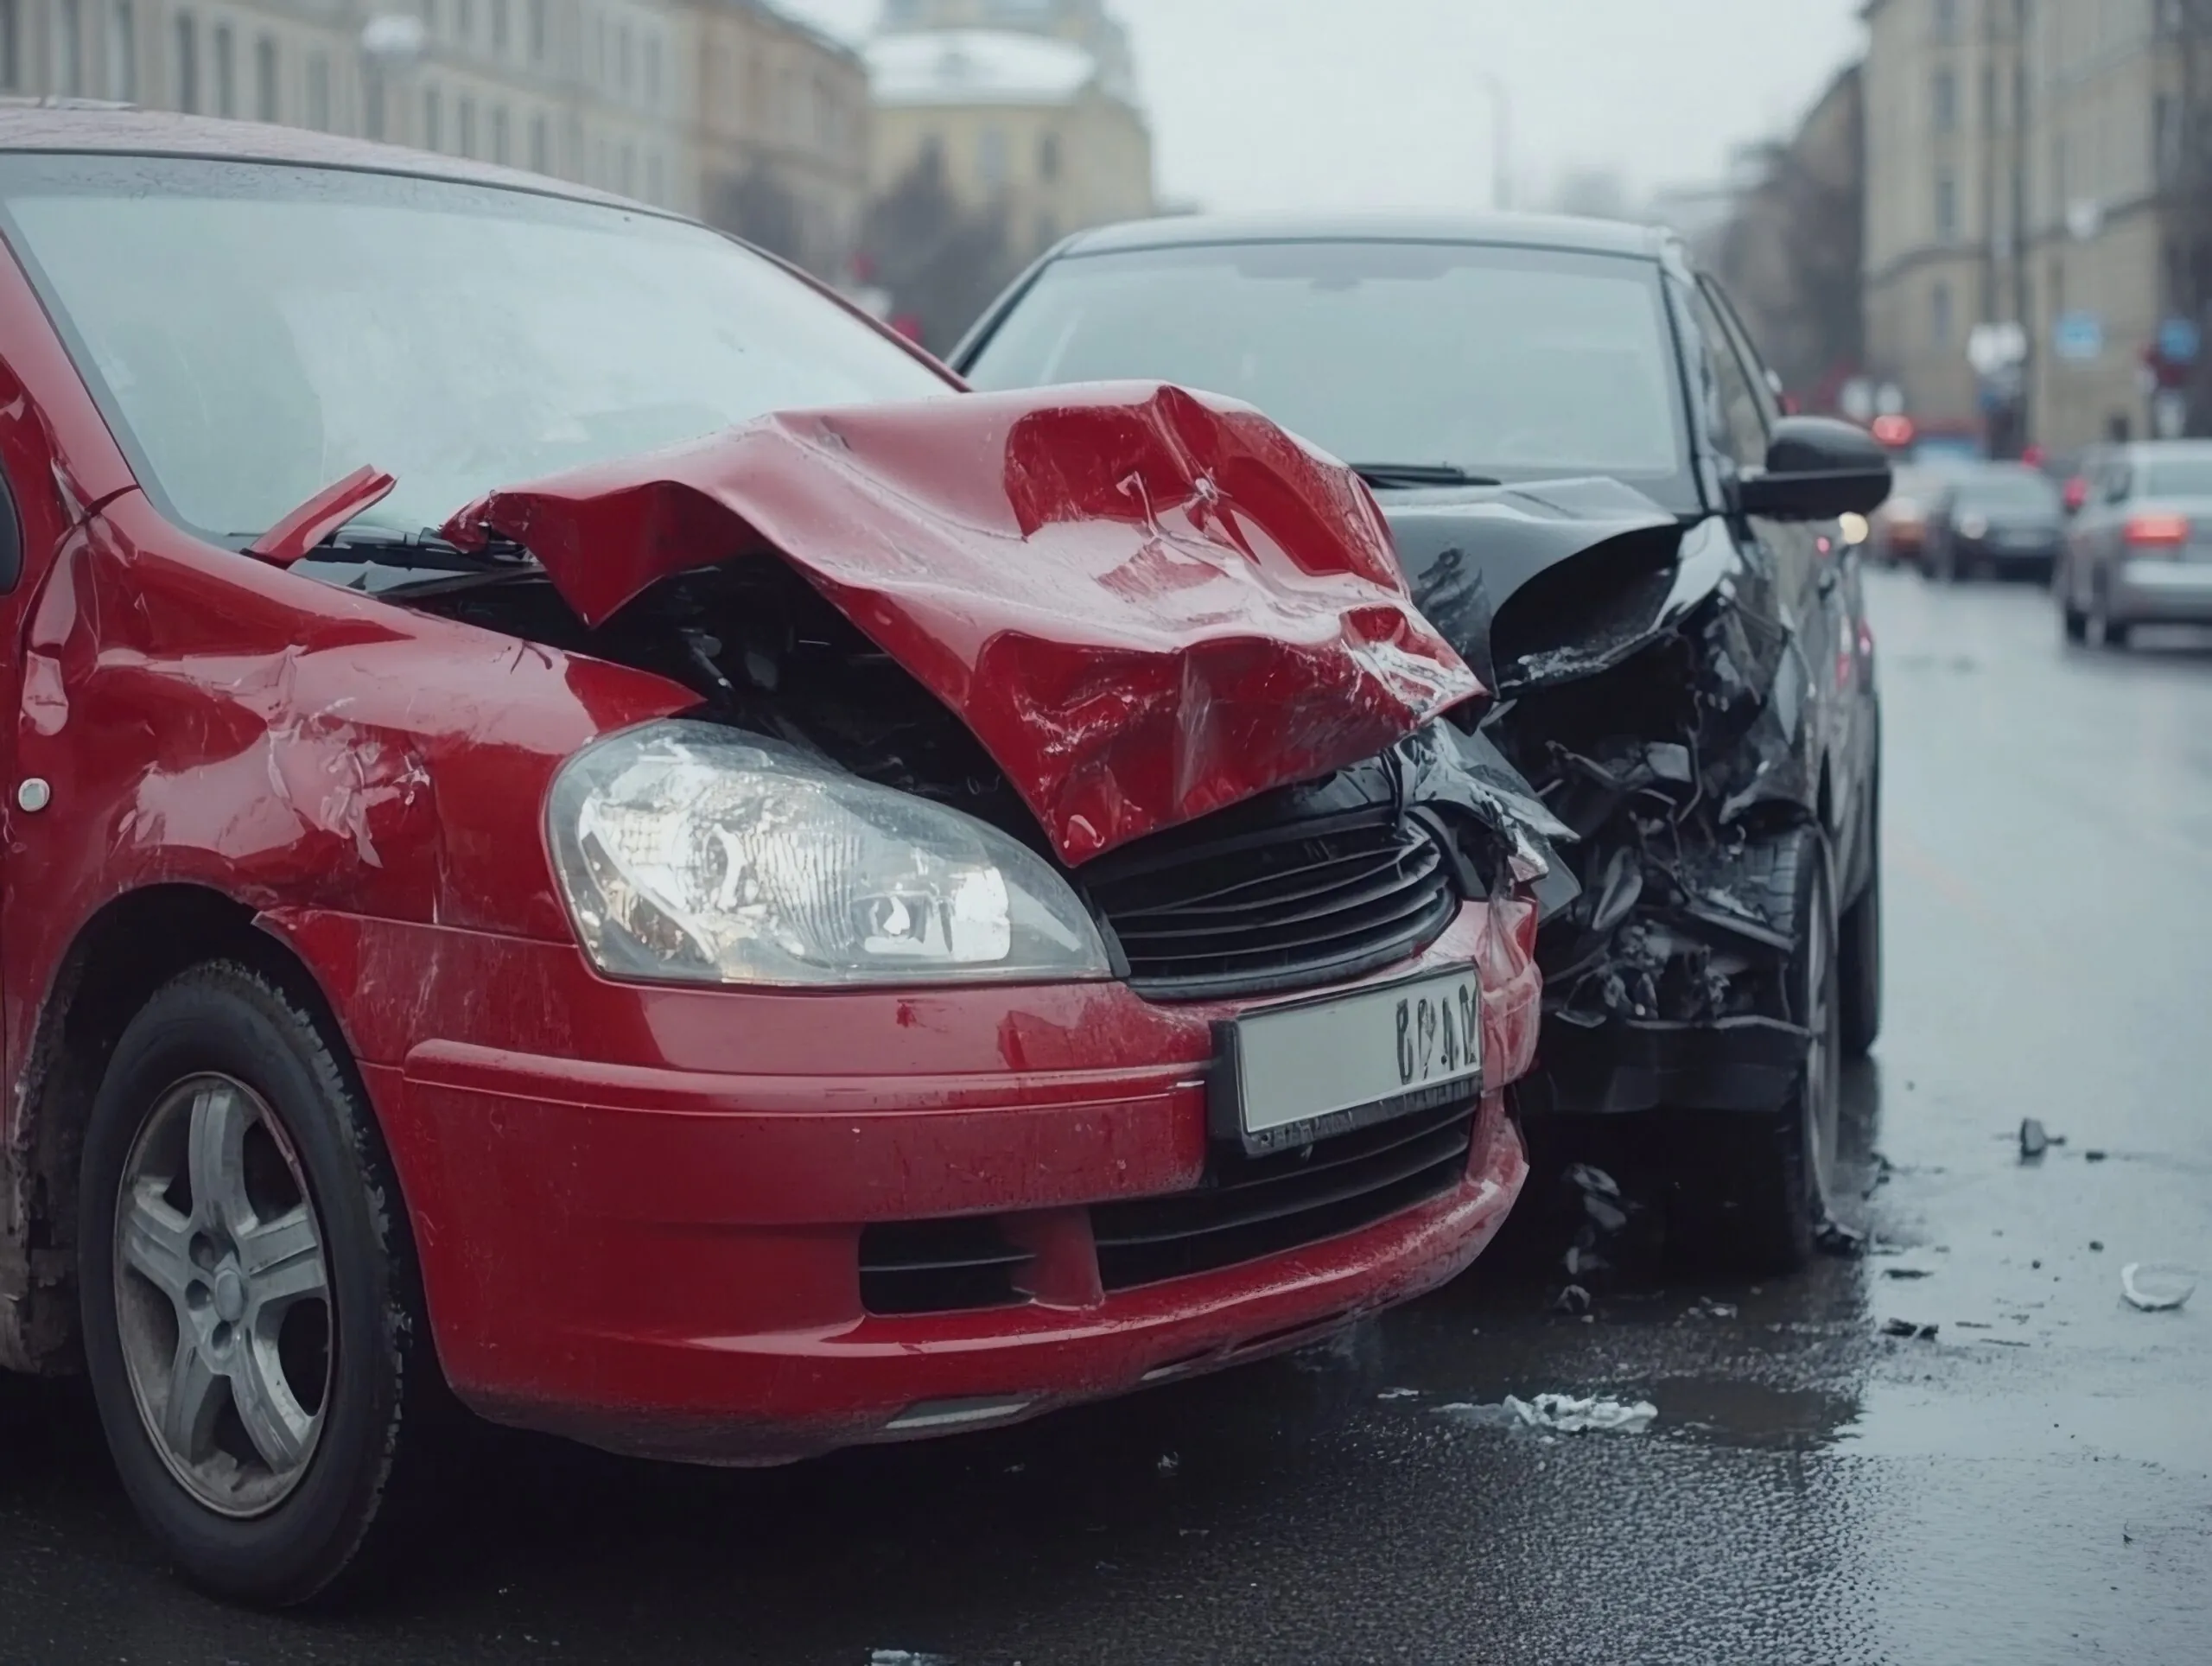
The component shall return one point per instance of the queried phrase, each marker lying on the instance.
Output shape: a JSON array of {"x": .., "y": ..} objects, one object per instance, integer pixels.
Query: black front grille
[
  {"x": 1274, "y": 908},
  {"x": 939, "y": 1267},
  {"x": 1255, "y": 1206}
]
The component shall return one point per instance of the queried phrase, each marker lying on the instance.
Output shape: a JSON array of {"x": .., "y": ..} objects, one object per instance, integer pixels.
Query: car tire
[
  {"x": 1859, "y": 946},
  {"x": 1754, "y": 1197},
  {"x": 233, "y": 1142}
]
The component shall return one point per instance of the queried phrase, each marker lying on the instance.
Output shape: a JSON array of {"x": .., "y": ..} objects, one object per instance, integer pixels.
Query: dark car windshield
[
  {"x": 256, "y": 332},
  {"x": 2020, "y": 491},
  {"x": 2177, "y": 477},
  {"x": 1514, "y": 363}
]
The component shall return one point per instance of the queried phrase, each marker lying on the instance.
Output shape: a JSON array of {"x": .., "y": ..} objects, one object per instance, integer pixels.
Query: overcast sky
[{"x": 1259, "y": 104}]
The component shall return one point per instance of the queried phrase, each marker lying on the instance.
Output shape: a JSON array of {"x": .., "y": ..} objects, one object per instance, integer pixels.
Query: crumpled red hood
[{"x": 1148, "y": 604}]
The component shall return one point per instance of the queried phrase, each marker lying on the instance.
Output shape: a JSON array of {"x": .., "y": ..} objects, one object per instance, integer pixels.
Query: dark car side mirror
[{"x": 1817, "y": 468}]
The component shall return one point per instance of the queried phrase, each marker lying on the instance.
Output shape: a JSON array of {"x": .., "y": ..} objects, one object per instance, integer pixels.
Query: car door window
[{"x": 1735, "y": 414}]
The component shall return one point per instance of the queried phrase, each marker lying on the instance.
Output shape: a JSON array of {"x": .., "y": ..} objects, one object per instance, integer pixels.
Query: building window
[
  {"x": 69, "y": 49},
  {"x": 187, "y": 63},
  {"x": 123, "y": 53},
  {"x": 1946, "y": 101},
  {"x": 991, "y": 158},
  {"x": 499, "y": 26},
  {"x": 499, "y": 133},
  {"x": 537, "y": 31},
  {"x": 433, "y": 120},
  {"x": 465, "y": 125},
  {"x": 319, "y": 96},
  {"x": 541, "y": 159},
  {"x": 1048, "y": 157},
  {"x": 265, "y": 79},
  {"x": 227, "y": 72},
  {"x": 1947, "y": 208},
  {"x": 1939, "y": 314}
]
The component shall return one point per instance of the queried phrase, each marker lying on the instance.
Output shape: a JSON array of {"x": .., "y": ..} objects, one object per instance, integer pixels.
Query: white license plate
[{"x": 1291, "y": 1075}]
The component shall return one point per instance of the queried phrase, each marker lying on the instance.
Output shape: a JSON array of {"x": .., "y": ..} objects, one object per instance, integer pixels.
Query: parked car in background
[
  {"x": 2000, "y": 520},
  {"x": 2141, "y": 550},
  {"x": 1665, "y": 608},
  {"x": 1899, "y": 528},
  {"x": 848, "y": 926}
]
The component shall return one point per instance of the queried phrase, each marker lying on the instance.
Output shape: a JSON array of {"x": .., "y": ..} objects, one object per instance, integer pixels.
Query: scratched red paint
[{"x": 637, "y": 1208}]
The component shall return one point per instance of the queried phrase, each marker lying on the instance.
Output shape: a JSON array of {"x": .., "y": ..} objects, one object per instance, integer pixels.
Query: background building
[
  {"x": 673, "y": 101},
  {"x": 2048, "y": 164},
  {"x": 1000, "y": 126}
]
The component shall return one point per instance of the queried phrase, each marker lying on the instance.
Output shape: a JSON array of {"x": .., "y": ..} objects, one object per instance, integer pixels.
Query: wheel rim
[
  {"x": 1823, "y": 1055},
  {"x": 222, "y": 1296}
]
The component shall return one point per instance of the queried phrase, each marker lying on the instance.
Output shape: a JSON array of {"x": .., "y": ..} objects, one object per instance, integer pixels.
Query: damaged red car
[{"x": 535, "y": 871}]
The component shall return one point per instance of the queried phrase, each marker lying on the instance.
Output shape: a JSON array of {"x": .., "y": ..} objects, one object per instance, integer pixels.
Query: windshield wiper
[
  {"x": 322, "y": 524},
  {"x": 1419, "y": 474}
]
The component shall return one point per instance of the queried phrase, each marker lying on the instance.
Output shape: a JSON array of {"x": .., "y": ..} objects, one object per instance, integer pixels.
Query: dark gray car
[
  {"x": 2000, "y": 520},
  {"x": 2141, "y": 550},
  {"x": 1598, "y": 500}
]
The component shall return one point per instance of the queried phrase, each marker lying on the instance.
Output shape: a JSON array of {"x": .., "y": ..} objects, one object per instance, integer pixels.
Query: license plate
[{"x": 1290, "y": 1075}]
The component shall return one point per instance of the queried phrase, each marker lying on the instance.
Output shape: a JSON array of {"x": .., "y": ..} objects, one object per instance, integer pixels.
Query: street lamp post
[
  {"x": 1501, "y": 111},
  {"x": 391, "y": 44}
]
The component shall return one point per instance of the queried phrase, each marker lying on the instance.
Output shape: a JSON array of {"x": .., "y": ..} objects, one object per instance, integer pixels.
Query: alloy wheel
[{"x": 223, "y": 1296}]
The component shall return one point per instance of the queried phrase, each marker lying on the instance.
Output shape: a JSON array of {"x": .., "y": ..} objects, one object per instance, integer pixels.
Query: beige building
[
  {"x": 784, "y": 127},
  {"x": 2022, "y": 166},
  {"x": 620, "y": 94},
  {"x": 1025, "y": 123}
]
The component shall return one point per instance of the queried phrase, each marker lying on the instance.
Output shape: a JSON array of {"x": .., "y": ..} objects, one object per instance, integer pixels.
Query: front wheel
[
  {"x": 1757, "y": 1195},
  {"x": 253, "y": 1328}
]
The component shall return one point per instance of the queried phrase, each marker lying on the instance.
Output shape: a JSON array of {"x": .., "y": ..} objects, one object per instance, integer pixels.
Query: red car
[{"x": 780, "y": 930}]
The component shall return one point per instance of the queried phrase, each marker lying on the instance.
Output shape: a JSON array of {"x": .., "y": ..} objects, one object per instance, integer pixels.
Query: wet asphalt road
[{"x": 2034, "y": 1484}]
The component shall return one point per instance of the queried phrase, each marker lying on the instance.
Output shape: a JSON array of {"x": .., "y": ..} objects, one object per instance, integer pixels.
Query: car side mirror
[{"x": 1817, "y": 468}]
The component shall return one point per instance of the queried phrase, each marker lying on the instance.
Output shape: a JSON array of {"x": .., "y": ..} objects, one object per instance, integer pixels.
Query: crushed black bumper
[{"x": 1623, "y": 1065}]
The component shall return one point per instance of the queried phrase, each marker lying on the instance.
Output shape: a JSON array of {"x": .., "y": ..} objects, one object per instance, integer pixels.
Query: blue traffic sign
[
  {"x": 2180, "y": 341},
  {"x": 2078, "y": 335}
]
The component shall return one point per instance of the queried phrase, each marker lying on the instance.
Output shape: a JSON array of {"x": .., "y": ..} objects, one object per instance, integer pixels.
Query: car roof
[
  {"x": 68, "y": 127},
  {"x": 1561, "y": 232}
]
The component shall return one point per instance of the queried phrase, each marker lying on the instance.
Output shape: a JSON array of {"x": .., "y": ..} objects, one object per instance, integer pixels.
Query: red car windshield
[{"x": 254, "y": 331}]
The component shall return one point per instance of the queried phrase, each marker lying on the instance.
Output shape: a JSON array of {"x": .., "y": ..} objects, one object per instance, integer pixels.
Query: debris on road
[
  {"x": 1399, "y": 1394},
  {"x": 2034, "y": 1140},
  {"x": 1561, "y": 1414},
  {"x": 1707, "y": 1308},
  {"x": 1845, "y": 1243},
  {"x": 1908, "y": 1272},
  {"x": 906, "y": 1657},
  {"x": 2156, "y": 1287},
  {"x": 2093, "y": 1156},
  {"x": 1170, "y": 1462},
  {"x": 1573, "y": 1300},
  {"x": 1905, "y": 1327}
]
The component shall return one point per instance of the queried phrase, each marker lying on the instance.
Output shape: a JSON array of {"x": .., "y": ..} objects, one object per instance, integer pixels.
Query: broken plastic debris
[
  {"x": 2033, "y": 1139},
  {"x": 1399, "y": 1394},
  {"x": 906, "y": 1657},
  {"x": 1562, "y": 1413},
  {"x": 2093, "y": 1156},
  {"x": 1707, "y": 1308},
  {"x": 1573, "y": 1300},
  {"x": 2156, "y": 1287},
  {"x": 1908, "y": 1272},
  {"x": 1834, "y": 1239},
  {"x": 1170, "y": 1462},
  {"x": 1905, "y": 1327}
]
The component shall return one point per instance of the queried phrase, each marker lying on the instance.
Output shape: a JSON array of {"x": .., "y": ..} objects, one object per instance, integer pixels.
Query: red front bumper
[{"x": 656, "y": 1249}]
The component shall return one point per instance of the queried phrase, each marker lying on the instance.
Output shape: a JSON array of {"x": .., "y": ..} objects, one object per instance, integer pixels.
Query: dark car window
[
  {"x": 255, "y": 332},
  {"x": 1517, "y": 364},
  {"x": 1735, "y": 413},
  {"x": 2018, "y": 490},
  {"x": 2177, "y": 477}
]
